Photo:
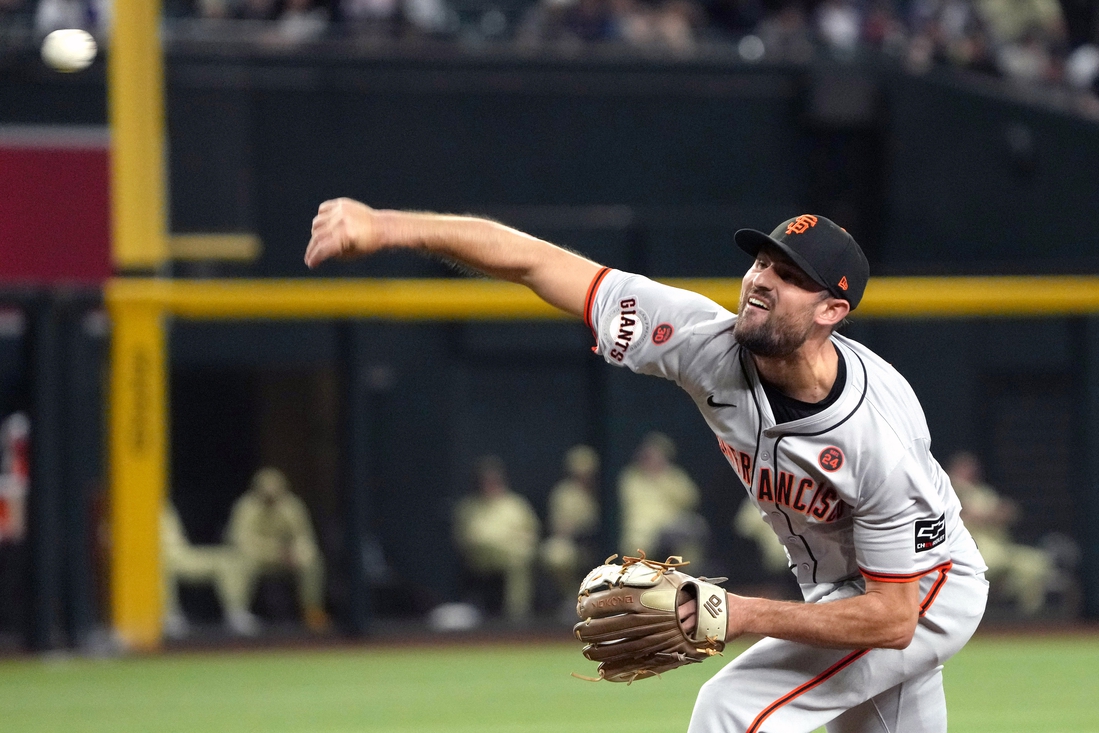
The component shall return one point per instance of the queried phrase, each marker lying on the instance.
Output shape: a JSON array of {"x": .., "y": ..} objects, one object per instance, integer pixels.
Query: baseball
[{"x": 69, "y": 49}]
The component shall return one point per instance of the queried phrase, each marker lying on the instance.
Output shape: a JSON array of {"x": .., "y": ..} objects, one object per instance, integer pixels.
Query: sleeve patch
[
  {"x": 626, "y": 325},
  {"x": 830, "y": 459},
  {"x": 663, "y": 333},
  {"x": 930, "y": 533}
]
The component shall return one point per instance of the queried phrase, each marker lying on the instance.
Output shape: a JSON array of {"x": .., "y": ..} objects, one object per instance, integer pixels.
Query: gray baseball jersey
[{"x": 853, "y": 493}]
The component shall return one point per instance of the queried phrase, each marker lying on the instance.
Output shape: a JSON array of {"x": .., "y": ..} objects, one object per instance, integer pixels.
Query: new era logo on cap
[{"x": 824, "y": 250}]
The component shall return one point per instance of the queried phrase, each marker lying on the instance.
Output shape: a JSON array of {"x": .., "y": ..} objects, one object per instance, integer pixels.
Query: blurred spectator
[
  {"x": 1010, "y": 20},
  {"x": 659, "y": 24},
  {"x": 270, "y": 527},
  {"x": 786, "y": 35},
  {"x": 15, "y": 471},
  {"x": 370, "y": 15},
  {"x": 302, "y": 20},
  {"x": 15, "y": 12},
  {"x": 255, "y": 9},
  {"x": 1030, "y": 35},
  {"x": 1028, "y": 59},
  {"x": 883, "y": 28},
  {"x": 734, "y": 17},
  {"x": 429, "y": 16},
  {"x": 54, "y": 14},
  {"x": 570, "y": 550},
  {"x": 676, "y": 24},
  {"x": 633, "y": 22},
  {"x": 1082, "y": 67},
  {"x": 658, "y": 502},
  {"x": 217, "y": 9},
  {"x": 566, "y": 23},
  {"x": 222, "y": 566},
  {"x": 839, "y": 25},
  {"x": 91, "y": 15},
  {"x": 1028, "y": 574},
  {"x": 496, "y": 532},
  {"x": 948, "y": 31},
  {"x": 1023, "y": 40},
  {"x": 1082, "y": 75},
  {"x": 587, "y": 20}
]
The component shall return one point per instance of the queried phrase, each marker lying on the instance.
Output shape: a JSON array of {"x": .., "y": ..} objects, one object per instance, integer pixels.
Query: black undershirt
[{"x": 787, "y": 409}]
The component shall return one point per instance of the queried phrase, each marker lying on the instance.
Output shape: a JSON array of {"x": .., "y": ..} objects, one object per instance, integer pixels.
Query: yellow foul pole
[
  {"x": 138, "y": 418},
  {"x": 135, "y": 76}
]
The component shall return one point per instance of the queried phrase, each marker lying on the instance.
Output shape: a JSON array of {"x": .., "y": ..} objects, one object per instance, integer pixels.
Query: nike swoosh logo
[{"x": 711, "y": 403}]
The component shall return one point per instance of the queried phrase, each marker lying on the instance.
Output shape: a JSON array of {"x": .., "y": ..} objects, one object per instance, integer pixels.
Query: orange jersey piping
[
  {"x": 935, "y": 587},
  {"x": 819, "y": 679},
  {"x": 902, "y": 578},
  {"x": 853, "y": 656},
  {"x": 589, "y": 301}
]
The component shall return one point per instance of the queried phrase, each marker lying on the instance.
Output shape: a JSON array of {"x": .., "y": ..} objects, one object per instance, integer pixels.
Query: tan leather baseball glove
[{"x": 630, "y": 623}]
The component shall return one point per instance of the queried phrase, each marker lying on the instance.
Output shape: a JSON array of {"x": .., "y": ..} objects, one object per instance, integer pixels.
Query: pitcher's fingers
[
  {"x": 324, "y": 227},
  {"x": 319, "y": 254},
  {"x": 687, "y": 609},
  {"x": 314, "y": 251}
]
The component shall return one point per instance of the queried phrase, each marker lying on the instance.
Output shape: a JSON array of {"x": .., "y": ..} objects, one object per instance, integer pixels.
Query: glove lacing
[{"x": 673, "y": 562}]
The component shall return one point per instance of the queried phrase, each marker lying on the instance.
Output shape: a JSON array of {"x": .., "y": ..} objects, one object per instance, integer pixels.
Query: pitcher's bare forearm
[
  {"x": 558, "y": 276},
  {"x": 883, "y": 617},
  {"x": 344, "y": 228}
]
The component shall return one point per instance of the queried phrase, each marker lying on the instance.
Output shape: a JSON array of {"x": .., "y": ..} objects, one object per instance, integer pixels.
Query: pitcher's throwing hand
[{"x": 343, "y": 228}]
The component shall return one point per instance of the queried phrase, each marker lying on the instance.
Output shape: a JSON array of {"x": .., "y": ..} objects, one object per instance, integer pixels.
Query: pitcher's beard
[{"x": 772, "y": 340}]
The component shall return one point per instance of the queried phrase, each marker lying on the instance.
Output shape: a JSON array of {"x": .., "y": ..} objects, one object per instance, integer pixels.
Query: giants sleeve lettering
[{"x": 646, "y": 326}]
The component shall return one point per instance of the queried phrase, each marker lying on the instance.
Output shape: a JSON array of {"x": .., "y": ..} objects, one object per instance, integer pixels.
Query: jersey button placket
[{"x": 767, "y": 448}]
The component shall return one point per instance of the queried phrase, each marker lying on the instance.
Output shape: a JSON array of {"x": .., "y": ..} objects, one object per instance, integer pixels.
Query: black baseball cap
[{"x": 820, "y": 247}]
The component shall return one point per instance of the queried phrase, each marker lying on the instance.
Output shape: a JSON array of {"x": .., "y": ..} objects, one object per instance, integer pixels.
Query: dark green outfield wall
[
  {"x": 976, "y": 180},
  {"x": 932, "y": 173}
]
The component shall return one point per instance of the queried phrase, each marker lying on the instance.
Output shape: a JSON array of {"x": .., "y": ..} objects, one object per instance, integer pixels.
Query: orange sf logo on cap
[
  {"x": 843, "y": 283},
  {"x": 801, "y": 224}
]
